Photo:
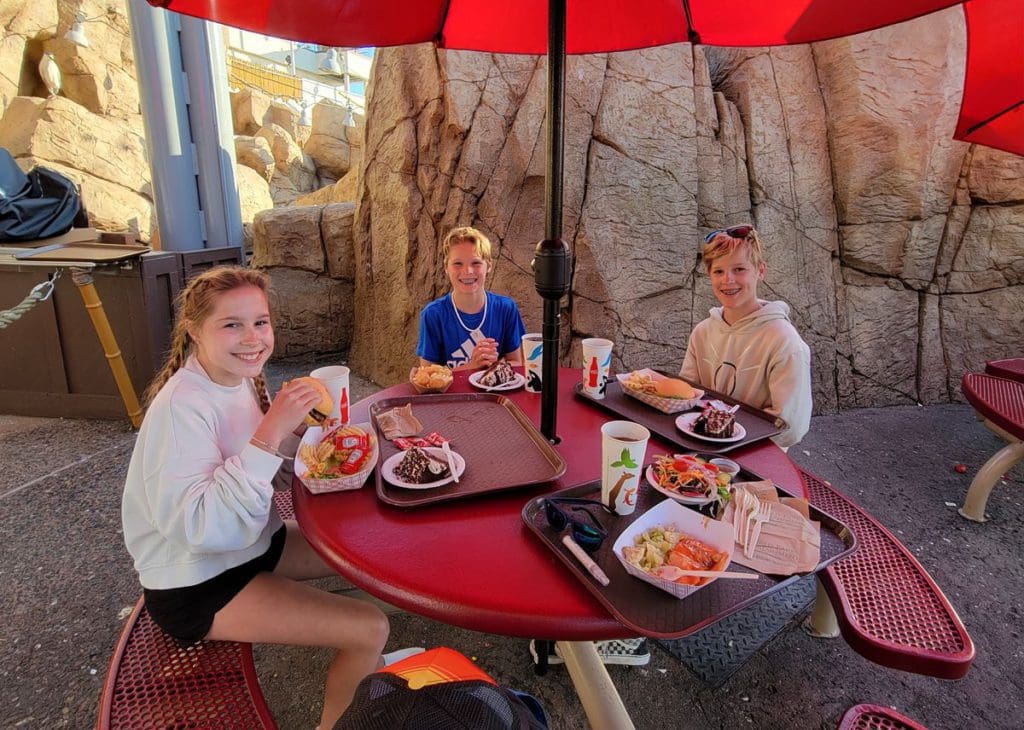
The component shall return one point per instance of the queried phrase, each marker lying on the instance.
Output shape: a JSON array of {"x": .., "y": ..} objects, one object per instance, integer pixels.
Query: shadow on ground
[{"x": 66, "y": 586}]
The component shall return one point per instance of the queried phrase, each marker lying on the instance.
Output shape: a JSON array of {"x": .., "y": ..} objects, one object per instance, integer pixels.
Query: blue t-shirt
[{"x": 443, "y": 340}]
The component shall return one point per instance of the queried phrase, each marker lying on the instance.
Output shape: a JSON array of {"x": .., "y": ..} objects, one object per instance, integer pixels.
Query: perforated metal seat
[
  {"x": 283, "y": 503},
  {"x": 888, "y": 607},
  {"x": 876, "y": 717},
  {"x": 997, "y": 399},
  {"x": 1011, "y": 368},
  {"x": 152, "y": 684}
]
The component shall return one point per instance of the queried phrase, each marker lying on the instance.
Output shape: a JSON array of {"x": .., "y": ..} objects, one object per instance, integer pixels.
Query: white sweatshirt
[
  {"x": 198, "y": 498},
  {"x": 759, "y": 360}
]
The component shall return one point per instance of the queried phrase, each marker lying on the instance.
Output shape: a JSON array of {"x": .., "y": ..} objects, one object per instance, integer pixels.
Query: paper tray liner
[
  {"x": 501, "y": 446},
  {"x": 650, "y": 611},
  {"x": 758, "y": 424}
]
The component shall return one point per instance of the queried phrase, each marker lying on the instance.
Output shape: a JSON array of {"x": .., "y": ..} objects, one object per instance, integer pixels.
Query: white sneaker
[
  {"x": 630, "y": 652},
  {"x": 400, "y": 654}
]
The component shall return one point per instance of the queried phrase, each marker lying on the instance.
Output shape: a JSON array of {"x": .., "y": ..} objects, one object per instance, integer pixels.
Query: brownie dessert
[
  {"x": 498, "y": 374},
  {"x": 418, "y": 467},
  {"x": 714, "y": 423}
]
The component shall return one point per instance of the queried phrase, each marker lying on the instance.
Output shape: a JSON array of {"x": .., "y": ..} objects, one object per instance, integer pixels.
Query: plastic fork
[
  {"x": 451, "y": 460},
  {"x": 758, "y": 517}
]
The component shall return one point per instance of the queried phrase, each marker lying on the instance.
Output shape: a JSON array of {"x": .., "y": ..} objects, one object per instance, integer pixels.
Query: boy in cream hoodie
[{"x": 748, "y": 349}]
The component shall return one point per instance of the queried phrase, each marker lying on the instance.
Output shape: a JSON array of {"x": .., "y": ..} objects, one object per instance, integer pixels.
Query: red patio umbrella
[
  {"x": 555, "y": 27},
  {"x": 992, "y": 108}
]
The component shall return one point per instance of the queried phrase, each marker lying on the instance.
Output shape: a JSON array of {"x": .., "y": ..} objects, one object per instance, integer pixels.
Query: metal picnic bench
[
  {"x": 1011, "y": 368},
  {"x": 887, "y": 607},
  {"x": 999, "y": 403}
]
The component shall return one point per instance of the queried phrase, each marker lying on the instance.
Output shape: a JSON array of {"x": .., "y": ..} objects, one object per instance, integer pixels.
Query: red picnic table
[{"x": 473, "y": 563}]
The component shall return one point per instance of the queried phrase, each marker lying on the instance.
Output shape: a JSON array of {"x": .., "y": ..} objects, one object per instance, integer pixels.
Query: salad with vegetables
[{"x": 689, "y": 475}]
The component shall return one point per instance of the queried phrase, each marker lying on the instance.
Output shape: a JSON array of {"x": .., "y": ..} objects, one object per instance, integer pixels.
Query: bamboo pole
[{"x": 84, "y": 281}]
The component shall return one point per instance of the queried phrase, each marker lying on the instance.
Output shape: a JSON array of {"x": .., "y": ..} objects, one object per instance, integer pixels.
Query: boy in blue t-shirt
[{"x": 469, "y": 328}]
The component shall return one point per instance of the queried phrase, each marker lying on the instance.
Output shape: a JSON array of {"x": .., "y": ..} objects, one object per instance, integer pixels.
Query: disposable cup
[
  {"x": 335, "y": 379},
  {"x": 597, "y": 359},
  {"x": 623, "y": 449},
  {"x": 533, "y": 351}
]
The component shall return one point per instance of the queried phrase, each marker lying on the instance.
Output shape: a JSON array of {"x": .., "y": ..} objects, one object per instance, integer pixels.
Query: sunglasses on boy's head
[
  {"x": 589, "y": 536},
  {"x": 740, "y": 232}
]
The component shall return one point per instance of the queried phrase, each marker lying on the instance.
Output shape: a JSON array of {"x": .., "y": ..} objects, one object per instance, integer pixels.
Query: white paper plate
[
  {"x": 387, "y": 469},
  {"x": 518, "y": 382},
  {"x": 685, "y": 424},
  {"x": 652, "y": 479}
]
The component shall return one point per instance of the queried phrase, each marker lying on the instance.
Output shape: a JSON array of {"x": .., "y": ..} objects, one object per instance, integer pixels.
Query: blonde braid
[
  {"x": 262, "y": 392},
  {"x": 180, "y": 342}
]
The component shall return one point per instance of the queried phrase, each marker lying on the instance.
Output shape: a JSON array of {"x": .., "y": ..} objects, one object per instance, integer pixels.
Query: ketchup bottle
[{"x": 592, "y": 377}]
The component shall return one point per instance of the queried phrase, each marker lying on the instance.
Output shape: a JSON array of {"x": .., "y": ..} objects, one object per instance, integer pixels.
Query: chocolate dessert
[
  {"x": 419, "y": 467},
  {"x": 714, "y": 423},
  {"x": 498, "y": 374}
]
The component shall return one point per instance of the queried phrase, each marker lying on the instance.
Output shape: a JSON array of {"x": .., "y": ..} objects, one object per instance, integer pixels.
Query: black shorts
[{"x": 187, "y": 613}]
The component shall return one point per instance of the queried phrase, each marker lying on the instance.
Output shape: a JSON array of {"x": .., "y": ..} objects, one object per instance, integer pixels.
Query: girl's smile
[{"x": 237, "y": 338}]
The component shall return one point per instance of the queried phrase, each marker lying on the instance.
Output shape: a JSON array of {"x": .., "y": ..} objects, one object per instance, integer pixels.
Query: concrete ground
[{"x": 66, "y": 586}]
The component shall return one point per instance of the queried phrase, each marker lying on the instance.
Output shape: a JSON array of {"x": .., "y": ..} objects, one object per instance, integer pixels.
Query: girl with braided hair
[{"x": 214, "y": 558}]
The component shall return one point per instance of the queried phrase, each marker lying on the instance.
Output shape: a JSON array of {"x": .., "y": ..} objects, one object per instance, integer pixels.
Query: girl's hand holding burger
[{"x": 293, "y": 404}]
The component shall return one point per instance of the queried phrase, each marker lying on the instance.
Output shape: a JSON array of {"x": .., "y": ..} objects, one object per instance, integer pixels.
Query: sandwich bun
[
  {"x": 673, "y": 388},
  {"x": 319, "y": 413}
]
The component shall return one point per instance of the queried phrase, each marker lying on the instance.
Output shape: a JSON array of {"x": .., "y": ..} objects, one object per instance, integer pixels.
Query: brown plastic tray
[
  {"x": 757, "y": 423},
  {"x": 651, "y": 611},
  {"x": 501, "y": 446},
  {"x": 83, "y": 251}
]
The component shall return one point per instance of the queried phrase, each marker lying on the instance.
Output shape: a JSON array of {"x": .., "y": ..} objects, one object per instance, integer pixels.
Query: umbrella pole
[{"x": 551, "y": 259}]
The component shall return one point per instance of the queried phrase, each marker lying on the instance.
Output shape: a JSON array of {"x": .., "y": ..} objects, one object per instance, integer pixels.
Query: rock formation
[{"x": 900, "y": 251}]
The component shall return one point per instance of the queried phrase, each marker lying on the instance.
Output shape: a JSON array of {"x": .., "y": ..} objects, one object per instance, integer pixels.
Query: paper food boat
[
  {"x": 314, "y": 435},
  {"x": 665, "y": 405},
  {"x": 713, "y": 533}
]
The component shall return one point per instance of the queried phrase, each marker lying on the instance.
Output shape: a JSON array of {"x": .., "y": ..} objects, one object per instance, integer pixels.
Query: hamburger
[
  {"x": 673, "y": 388},
  {"x": 319, "y": 413}
]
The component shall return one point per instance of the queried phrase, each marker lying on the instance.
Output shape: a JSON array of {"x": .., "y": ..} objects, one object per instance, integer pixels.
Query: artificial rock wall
[{"x": 900, "y": 251}]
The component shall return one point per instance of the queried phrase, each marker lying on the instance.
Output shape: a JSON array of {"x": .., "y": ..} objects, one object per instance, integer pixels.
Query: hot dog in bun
[{"x": 318, "y": 414}]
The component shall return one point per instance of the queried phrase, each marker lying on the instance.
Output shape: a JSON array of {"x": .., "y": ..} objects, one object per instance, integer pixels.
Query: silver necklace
[{"x": 479, "y": 327}]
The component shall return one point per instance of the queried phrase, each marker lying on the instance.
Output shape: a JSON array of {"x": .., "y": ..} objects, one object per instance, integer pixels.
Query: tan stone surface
[
  {"x": 25, "y": 24},
  {"x": 63, "y": 132},
  {"x": 286, "y": 118},
  {"x": 254, "y": 152},
  {"x": 342, "y": 191},
  {"x": 250, "y": 110},
  {"x": 330, "y": 154},
  {"x": 339, "y": 246},
  {"x": 289, "y": 158},
  {"x": 312, "y": 312},
  {"x": 253, "y": 192},
  {"x": 289, "y": 237}
]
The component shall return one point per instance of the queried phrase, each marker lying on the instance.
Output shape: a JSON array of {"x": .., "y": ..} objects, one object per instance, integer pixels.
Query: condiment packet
[
  {"x": 399, "y": 422},
  {"x": 787, "y": 541},
  {"x": 431, "y": 439}
]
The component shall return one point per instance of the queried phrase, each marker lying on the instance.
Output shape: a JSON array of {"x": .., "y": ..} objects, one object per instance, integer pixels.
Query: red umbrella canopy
[
  {"x": 992, "y": 110},
  {"x": 520, "y": 26}
]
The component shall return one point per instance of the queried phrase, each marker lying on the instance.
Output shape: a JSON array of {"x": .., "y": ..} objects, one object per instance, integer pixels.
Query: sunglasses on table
[
  {"x": 739, "y": 232},
  {"x": 590, "y": 535}
]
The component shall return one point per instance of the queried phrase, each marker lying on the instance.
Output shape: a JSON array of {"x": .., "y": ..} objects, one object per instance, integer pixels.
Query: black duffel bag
[{"x": 40, "y": 204}]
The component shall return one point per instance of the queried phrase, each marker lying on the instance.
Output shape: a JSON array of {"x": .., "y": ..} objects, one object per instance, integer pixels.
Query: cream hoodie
[{"x": 759, "y": 360}]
